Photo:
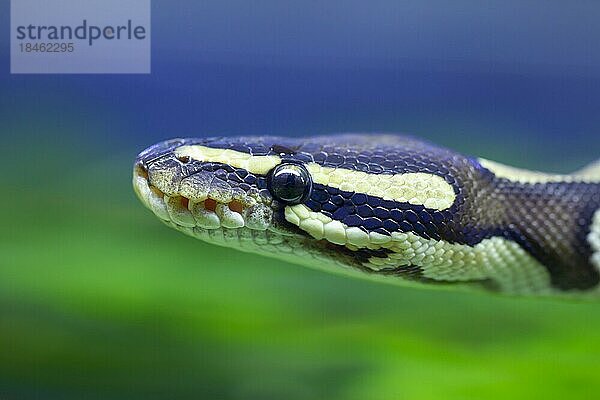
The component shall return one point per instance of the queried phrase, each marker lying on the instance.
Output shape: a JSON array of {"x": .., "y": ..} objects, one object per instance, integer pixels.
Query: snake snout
[
  {"x": 157, "y": 151},
  {"x": 192, "y": 194}
]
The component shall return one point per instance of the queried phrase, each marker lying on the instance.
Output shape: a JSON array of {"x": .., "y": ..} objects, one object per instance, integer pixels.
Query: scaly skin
[{"x": 387, "y": 207}]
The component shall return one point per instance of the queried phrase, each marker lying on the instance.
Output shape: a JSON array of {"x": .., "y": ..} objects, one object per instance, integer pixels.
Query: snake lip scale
[
  {"x": 209, "y": 210},
  {"x": 386, "y": 207}
]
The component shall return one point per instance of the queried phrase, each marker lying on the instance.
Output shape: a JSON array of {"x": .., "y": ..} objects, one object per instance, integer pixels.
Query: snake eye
[{"x": 289, "y": 183}]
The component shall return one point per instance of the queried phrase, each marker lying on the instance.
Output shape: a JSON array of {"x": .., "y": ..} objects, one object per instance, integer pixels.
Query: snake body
[{"x": 388, "y": 207}]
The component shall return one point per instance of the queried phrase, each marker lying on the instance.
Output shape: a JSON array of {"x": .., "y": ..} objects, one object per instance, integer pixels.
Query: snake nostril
[
  {"x": 141, "y": 170},
  {"x": 183, "y": 159}
]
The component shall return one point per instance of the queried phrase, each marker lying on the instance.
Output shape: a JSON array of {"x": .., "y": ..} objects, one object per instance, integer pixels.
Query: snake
[{"x": 387, "y": 207}]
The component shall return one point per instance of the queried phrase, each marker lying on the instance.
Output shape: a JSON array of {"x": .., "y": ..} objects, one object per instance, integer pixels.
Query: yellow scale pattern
[
  {"x": 259, "y": 165},
  {"x": 498, "y": 259},
  {"x": 417, "y": 188},
  {"x": 590, "y": 173}
]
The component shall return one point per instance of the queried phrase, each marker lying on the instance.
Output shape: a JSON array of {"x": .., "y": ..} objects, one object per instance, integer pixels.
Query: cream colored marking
[
  {"x": 498, "y": 259},
  {"x": 520, "y": 175},
  {"x": 259, "y": 165},
  {"x": 591, "y": 171},
  {"x": 141, "y": 188},
  {"x": 593, "y": 239},
  {"x": 417, "y": 188},
  {"x": 177, "y": 213},
  {"x": 312, "y": 222}
]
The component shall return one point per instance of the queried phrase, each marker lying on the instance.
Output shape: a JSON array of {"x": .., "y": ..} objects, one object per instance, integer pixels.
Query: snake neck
[{"x": 553, "y": 221}]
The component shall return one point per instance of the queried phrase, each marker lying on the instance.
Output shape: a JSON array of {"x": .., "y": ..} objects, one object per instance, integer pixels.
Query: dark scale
[
  {"x": 320, "y": 195},
  {"x": 341, "y": 213},
  {"x": 381, "y": 213},
  {"x": 315, "y": 206},
  {"x": 391, "y": 225},
  {"x": 365, "y": 210},
  {"x": 329, "y": 207},
  {"x": 261, "y": 183},
  {"x": 371, "y": 224},
  {"x": 359, "y": 199},
  {"x": 233, "y": 177}
]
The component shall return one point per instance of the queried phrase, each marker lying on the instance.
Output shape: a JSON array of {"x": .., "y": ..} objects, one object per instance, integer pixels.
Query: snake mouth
[{"x": 198, "y": 204}]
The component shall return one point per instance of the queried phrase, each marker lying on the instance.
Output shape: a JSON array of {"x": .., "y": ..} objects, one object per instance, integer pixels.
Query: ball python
[{"x": 389, "y": 207}]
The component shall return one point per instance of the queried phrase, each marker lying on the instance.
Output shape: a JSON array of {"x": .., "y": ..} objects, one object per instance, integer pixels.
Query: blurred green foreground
[{"x": 99, "y": 300}]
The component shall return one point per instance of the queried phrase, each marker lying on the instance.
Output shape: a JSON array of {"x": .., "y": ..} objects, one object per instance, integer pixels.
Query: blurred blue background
[{"x": 98, "y": 300}]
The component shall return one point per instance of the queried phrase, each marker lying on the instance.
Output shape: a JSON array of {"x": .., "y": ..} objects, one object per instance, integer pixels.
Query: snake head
[
  {"x": 253, "y": 194},
  {"x": 318, "y": 202}
]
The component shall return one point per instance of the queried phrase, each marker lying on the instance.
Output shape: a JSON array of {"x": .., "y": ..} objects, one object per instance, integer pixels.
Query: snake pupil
[{"x": 289, "y": 183}]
